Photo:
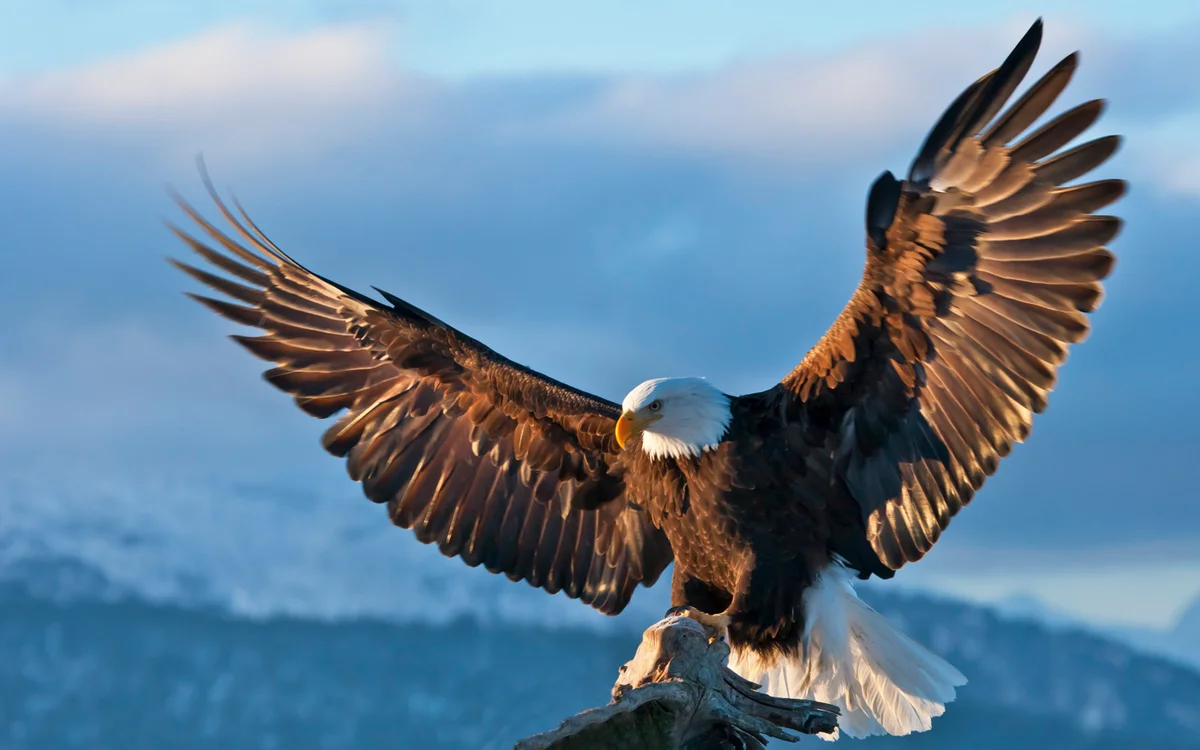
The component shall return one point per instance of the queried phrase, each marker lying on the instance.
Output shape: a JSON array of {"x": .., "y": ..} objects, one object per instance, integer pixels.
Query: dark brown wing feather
[
  {"x": 981, "y": 267},
  {"x": 491, "y": 461}
]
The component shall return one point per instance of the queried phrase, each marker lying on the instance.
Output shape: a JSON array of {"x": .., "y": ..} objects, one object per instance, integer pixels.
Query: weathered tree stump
[{"x": 678, "y": 693}]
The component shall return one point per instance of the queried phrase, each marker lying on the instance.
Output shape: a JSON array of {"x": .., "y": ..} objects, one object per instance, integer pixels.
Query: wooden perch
[{"x": 677, "y": 693}]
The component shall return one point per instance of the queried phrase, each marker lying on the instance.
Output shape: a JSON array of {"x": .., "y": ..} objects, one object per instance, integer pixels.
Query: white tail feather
[{"x": 854, "y": 658}]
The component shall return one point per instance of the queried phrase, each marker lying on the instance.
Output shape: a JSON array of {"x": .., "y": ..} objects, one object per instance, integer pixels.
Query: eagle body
[
  {"x": 981, "y": 267},
  {"x": 750, "y": 526}
]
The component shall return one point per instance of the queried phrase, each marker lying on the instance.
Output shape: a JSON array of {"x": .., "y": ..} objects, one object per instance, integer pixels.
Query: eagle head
[{"x": 676, "y": 417}]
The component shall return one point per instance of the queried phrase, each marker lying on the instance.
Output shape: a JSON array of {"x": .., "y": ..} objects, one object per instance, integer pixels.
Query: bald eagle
[{"x": 980, "y": 269}]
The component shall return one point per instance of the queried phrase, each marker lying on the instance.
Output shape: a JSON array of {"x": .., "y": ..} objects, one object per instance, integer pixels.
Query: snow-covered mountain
[
  {"x": 1180, "y": 642},
  {"x": 159, "y": 615},
  {"x": 1186, "y": 633},
  {"x": 125, "y": 673},
  {"x": 318, "y": 552}
]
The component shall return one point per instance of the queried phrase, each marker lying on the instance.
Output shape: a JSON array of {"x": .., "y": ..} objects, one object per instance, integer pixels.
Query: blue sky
[
  {"x": 509, "y": 166},
  {"x": 481, "y": 37}
]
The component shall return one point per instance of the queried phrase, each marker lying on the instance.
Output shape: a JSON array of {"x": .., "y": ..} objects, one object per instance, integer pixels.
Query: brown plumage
[
  {"x": 981, "y": 267},
  {"x": 490, "y": 461}
]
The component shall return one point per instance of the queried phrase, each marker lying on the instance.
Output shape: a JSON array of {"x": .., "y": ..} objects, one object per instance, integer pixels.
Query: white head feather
[{"x": 692, "y": 416}]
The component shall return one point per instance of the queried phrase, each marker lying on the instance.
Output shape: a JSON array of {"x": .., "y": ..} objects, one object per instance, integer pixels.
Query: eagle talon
[{"x": 718, "y": 625}]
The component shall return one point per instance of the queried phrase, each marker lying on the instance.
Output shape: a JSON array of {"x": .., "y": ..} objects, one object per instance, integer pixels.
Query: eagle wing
[
  {"x": 980, "y": 270},
  {"x": 493, "y": 462}
]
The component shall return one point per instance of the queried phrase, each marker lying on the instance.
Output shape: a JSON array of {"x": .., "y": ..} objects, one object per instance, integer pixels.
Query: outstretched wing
[
  {"x": 980, "y": 269},
  {"x": 491, "y": 461}
]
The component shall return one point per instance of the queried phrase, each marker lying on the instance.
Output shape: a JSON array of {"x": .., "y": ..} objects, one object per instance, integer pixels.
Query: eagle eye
[{"x": 655, "y": 405}]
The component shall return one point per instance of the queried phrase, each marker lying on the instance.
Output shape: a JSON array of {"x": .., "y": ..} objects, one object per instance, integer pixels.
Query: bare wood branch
[{"x": 678, "y": 693}]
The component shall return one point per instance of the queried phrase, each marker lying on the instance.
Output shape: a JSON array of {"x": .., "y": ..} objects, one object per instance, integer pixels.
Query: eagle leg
[
  {"x": 717, "y": 626},
  {"x": 700, "y": 601}
]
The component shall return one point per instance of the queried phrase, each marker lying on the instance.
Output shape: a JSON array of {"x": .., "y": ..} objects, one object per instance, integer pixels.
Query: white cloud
[
  {"x": 1168, "y": 158},
  {"x": 1182, "y": 175},
  {"x": 257, "y": 94},
  {"x": 861, "y": 100},
  {"x": 244, "y": 93},
  {"x": 235, "y": 88},
  {"x": 227, "y": 65},
  {"x": 117, "y": 383}
]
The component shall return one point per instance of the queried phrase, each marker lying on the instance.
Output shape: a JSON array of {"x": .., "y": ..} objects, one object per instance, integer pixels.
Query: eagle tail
[{"x": 854, "y": 658}]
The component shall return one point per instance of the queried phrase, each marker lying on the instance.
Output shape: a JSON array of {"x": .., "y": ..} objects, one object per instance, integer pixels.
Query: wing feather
[
  {"x": 490, "y": 461},
  {"x": 981, "y": 267}
]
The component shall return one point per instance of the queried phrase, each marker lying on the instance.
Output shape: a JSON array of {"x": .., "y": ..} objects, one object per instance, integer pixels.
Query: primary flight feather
[{"x": 981, "y": 268}]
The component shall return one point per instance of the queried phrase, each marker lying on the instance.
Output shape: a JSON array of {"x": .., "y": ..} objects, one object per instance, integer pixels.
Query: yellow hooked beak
[{"x": 629, "y": 425}]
